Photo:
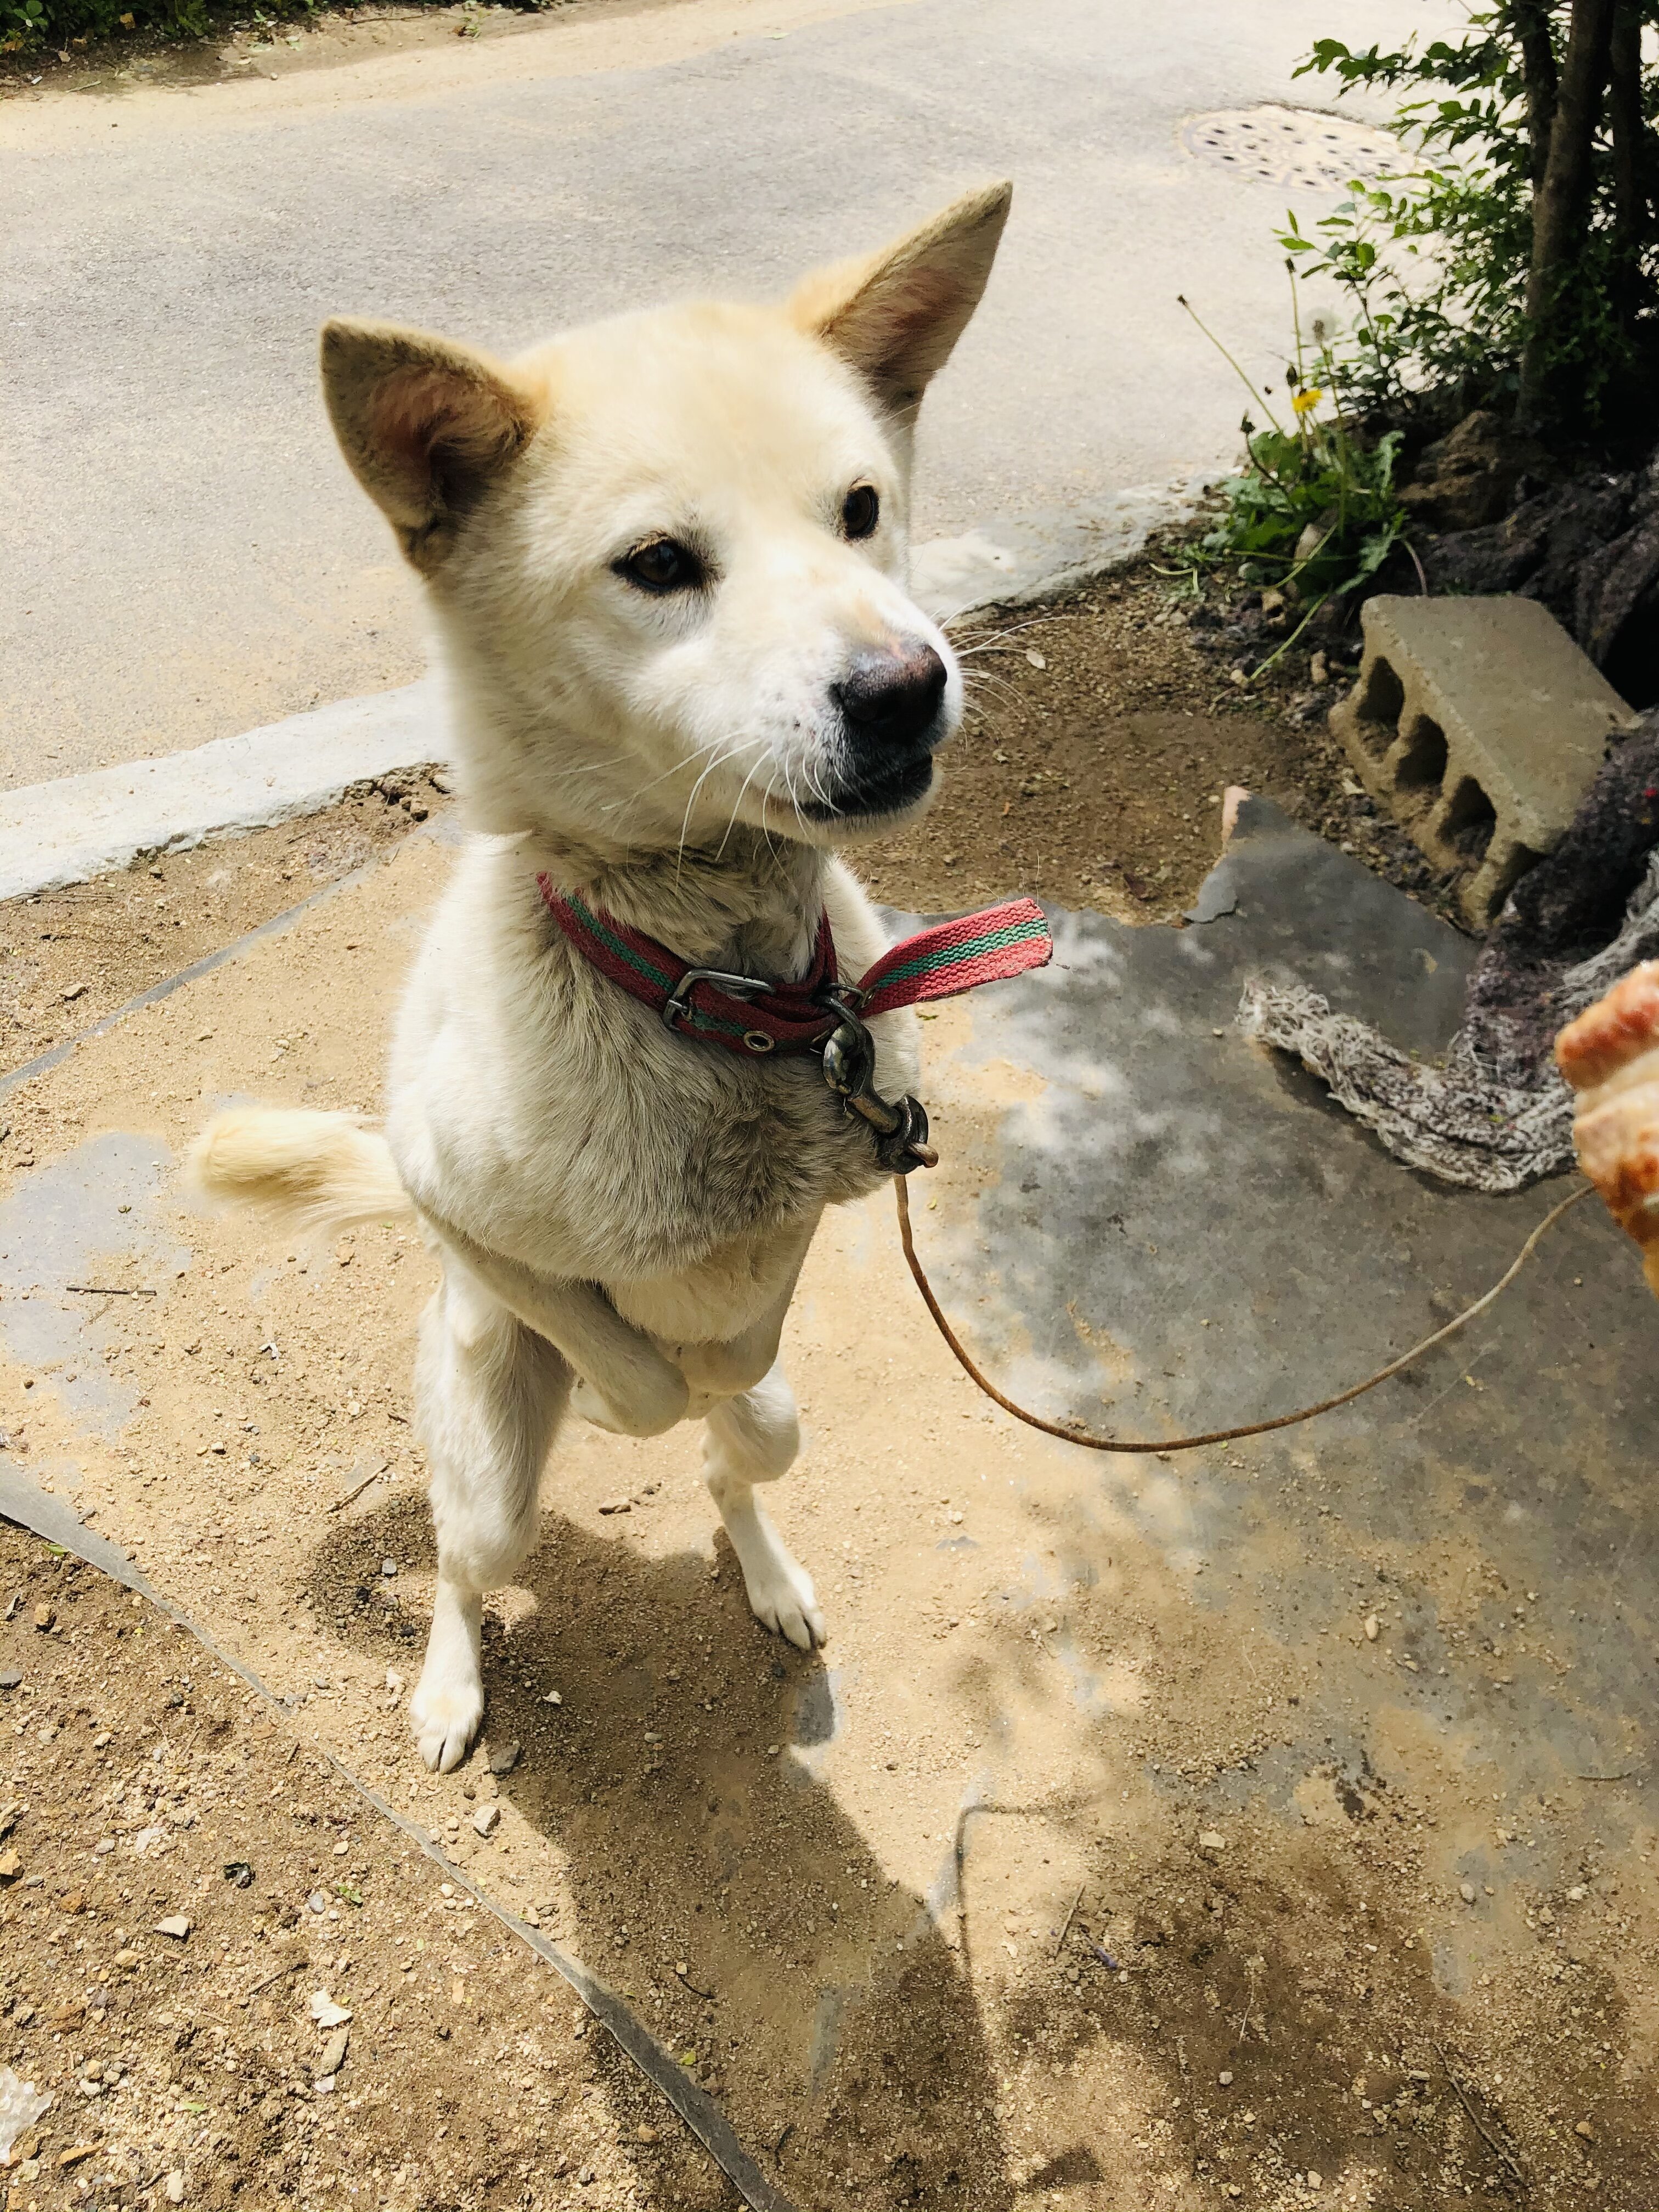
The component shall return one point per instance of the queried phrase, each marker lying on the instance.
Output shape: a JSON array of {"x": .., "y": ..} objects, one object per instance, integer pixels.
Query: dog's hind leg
[
  {"x": 755, "y": 1437},
  {"x": 488, "y": 1394}
]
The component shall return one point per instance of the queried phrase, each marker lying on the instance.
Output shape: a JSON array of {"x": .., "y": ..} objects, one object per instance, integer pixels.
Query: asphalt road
[{"x": 185, "y": 557}]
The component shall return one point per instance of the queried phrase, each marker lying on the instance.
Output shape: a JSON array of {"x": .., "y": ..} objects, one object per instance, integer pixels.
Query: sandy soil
[
  {"x": 146, "y": 1786},
  {"x": 69, "y": 957},
  {"x": 1024, "y": 1892}
]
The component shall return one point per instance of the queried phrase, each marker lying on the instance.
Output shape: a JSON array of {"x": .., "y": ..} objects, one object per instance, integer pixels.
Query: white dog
[{"x": 665, "y": 558}]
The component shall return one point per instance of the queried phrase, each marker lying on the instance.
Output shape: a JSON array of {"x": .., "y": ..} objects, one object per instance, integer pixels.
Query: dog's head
[{"x": 667, "y": 553}]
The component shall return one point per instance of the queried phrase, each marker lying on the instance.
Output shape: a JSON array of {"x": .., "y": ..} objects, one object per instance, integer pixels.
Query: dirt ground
[
  {"x": 1018, "y": 1894},
  {"x": 146, "y": 1786},
  {"x": 270, "y": 47}
]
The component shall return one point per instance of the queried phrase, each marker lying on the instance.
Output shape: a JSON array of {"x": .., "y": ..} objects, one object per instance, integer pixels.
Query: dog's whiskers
[{"x": 719, "y": 761}]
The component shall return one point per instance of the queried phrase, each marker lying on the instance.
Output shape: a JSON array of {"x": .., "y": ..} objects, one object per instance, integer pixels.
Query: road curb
[
  {"x": 78, "y": 826},
  {"x": 94, "y": 825}
]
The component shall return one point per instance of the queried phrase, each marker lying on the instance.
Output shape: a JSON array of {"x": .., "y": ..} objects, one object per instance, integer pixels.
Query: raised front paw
[{"x": 651, "y": 1408}]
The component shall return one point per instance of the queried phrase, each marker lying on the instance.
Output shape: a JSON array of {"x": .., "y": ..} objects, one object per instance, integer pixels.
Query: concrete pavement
[{"x": 188, "y": 559}]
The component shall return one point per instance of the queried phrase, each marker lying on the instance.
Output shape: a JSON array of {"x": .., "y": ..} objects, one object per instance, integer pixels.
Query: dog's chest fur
[{"x": 555, "y": 1120}]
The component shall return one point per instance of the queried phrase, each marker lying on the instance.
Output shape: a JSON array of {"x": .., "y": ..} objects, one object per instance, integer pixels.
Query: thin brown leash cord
[{"x": 1075, "y": 1433}]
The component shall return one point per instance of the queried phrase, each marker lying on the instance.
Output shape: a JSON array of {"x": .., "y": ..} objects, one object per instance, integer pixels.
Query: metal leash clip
[{"x": 849, "y": 1069}]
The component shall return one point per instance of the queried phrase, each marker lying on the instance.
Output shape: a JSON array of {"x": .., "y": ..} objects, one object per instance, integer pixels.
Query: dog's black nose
[{"x": 892, "y": 696}]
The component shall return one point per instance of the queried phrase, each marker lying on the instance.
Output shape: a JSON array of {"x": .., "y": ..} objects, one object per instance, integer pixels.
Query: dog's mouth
[{"x": 875, "y": 792}]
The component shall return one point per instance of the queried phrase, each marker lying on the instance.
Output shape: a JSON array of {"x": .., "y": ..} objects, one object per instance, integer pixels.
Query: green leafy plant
[
  {"x": 1313, "y": 512},
  {"x": 1513, "y": 263}
]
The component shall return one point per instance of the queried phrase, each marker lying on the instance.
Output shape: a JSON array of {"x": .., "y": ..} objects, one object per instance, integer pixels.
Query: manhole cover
[{"x": 1292, "y": 146}]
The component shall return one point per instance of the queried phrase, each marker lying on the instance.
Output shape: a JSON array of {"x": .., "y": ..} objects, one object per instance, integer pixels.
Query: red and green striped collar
[{"x": 748, "y": 1014}]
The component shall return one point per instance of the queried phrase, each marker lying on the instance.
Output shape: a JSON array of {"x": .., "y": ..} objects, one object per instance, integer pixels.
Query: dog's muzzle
[{"x": 891, "y": 708}]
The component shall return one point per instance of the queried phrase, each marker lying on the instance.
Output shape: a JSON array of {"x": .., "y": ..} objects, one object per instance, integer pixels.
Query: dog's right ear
[{"x": 426, "y": 424}]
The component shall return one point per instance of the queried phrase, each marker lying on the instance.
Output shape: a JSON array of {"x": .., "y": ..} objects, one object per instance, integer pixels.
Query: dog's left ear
[{"x": 895, "y": 315}]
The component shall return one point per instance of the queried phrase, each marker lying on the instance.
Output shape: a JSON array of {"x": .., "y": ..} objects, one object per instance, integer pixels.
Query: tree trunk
[
  {"x": 1629, "y": 158},
  {"x": 1561, "y": 203},
  {"x": 1530, "y": 22}
]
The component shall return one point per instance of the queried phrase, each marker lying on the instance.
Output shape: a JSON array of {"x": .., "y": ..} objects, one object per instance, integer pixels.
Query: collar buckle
[{"x": 678, "y": 1005}]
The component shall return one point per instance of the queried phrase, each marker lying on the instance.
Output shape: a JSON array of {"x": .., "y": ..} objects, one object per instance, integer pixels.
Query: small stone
[
  {"x": 1584, "y": 2128},
  {"x": 1577, "y": 1893},
  {"x": 10, "y": 1866},
  {"x": 1465, "y": 1890},
  {"x": 326, "y": 2014},
  {"x": 102, "y": 1741},
  {"x": 1226, "y": 2080},
  {"x": 10, "y": 1677},
  {"x": 176, "y": 1924},
  {"x": 552, "y": 1698},
  {"x": 1315, "y": 2179},
  {"x": 317, "y": 1901},
  {"x": 388, "y": 1567},
  {"x": 1213, "y": 1840},
  {"x": 618, "y": 1505},
  {"x": 1373, "y": 1628},
  {"x": 333, "y": 2055},
  {"x": 504, "y": 1760},
  {"x": 486, "y": 1819},
  {"x": 126, "y": 1960},
  {"x": 647, "y": 2134},
  {"x": 173, "y": 2187},
  {"x": 43, "y": 1617}
]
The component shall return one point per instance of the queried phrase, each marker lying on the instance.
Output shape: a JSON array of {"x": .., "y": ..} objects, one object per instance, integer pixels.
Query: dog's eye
[
  {"x": 662, "y": 564},
  {"x": 861, "y": 511}
]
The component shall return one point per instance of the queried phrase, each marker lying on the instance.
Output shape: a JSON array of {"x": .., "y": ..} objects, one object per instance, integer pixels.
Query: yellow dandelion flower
[{"x": 1305, "y": 402}]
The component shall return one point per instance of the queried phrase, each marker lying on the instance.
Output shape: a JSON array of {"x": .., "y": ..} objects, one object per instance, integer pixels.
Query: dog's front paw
[
  {"x": 445, "y": 1712},
  {"x": 781, "y": 1596}
]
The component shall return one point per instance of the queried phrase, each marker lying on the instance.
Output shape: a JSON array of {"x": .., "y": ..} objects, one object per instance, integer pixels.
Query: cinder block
[{"x": 1481, "y": 725}]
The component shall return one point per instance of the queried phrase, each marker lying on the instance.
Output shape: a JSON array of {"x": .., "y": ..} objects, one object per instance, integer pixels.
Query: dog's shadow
[{"x": 831, "y": 2020}]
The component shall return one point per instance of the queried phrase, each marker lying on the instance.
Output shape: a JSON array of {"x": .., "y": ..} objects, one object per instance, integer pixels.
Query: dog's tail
[{"x": 316, "y": 1173}]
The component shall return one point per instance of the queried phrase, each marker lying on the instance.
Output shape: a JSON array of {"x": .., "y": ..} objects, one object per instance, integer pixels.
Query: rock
[
  {"x": 177, "y": 1924},
  {"x": 552, "y": 1698},
  {"x": 1225, "y": 2079},
  {"x": 173, "y": 2187},
  {"x": 317, "y": 1901},
  {"x": 126, "y": 1960},
  {"x": 618, "y": 1505},
  {"x": 1584, "y": 2128},
  {"x": 10, "y": 1677},
  {"x": 325, "y": 2012},
  {"x": 504, "y": 1760},
  {"x": 388, "y": 1567},
  {"x": 1212, "y": 1841},
  {"x": 1315, "y": 2179},
  {"x": 486, "y": 1819},
  {"x": 10, "y": 1866},
  {"x": 1470, "y": 478},
  {"x": 1373, "y": 1628},
  {"x": 1577, "y": 1893},
  {"x": 1465, "y": 1890},
  {"x": 333, "y": 2055},
  {"x": 43, "y": 1617},
  {"x": 239, "y": 1874}
]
